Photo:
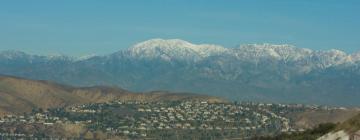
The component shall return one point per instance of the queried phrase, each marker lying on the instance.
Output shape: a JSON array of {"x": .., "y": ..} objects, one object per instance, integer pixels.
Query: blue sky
[{"x": 80, "y": 27}]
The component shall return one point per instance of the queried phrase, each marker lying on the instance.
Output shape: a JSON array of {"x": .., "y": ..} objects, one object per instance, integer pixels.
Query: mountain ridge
[
  {"x": 276, "y": 50},
  {"x": 257, "y": 72},
  {"x": 178, "y": 43}
]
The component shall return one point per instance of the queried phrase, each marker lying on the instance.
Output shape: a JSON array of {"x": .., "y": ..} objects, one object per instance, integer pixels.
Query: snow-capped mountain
[
  {"x": 355, "y": 57},
  {"x": 18, "y": 55},
  {"x": 12, "y": 54},
  {"x": 174, "y": 49},
  {"x": 280, "y": 52},
  {"x": 260, "y": 72}
]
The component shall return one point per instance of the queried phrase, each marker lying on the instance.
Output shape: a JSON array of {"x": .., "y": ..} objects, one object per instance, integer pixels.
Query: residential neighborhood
[{"x": 135, "y": 119}]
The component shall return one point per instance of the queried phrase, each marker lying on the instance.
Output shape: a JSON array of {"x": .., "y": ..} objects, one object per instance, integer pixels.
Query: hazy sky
[{"x": 79, "y": 27}]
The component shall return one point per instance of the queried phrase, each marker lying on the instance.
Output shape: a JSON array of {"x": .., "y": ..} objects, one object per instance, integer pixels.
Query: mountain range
[{"x": 255, "y": 72}]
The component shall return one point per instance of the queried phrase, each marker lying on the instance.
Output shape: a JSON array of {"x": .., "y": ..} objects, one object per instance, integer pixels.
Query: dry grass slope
[
  {"x": 19, "y": 95},
  {"x": 352, "y": 125},
  {"x": 310, "y": 119}
]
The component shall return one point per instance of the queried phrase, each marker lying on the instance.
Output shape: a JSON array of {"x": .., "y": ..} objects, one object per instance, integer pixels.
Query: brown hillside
[
  {"x": 351, "y": 125},
  {"x": 310, "y": 119},
  {"x": 22, "y": 95}
]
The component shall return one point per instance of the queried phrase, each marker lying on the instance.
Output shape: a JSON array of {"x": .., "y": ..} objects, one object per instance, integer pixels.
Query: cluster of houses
[
  {"x": 183, "y": 115},
  {"x": 196, "y": 115},
  {"x": 38, "y": 118}
]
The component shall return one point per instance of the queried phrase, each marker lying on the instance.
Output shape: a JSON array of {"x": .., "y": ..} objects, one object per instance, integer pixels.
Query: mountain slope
[
  {"x": 345, "y": 130},
  {"x": 326, "y": 131},
  {"x": 21, "y": 95},
  {"x": 257, "y": 72}
]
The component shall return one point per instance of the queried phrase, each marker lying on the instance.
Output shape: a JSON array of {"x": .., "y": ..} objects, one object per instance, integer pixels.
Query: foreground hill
[
  {"x": 347, "y": 130},
  {"x": 311, "y": 119},
  {"x": 258, "y": 72},
  {"x": 22, "y": 95}
]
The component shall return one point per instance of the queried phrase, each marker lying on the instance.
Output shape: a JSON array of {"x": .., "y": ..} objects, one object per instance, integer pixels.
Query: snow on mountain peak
[
  {"x": 267, "y": 46},
  {"x": 281, "y": 52},
  {"x": 182, "y": 50},
  {"x": 59, "y": 57},
  {"x": 355, "y": 56},
  {"x": 335, "y": 52},
  {"x": 163, "y": 43},
  {"x": 174, "y": 49},
  {"x": 11, "y": 54},
  {"x": 85, "y": 57}
]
